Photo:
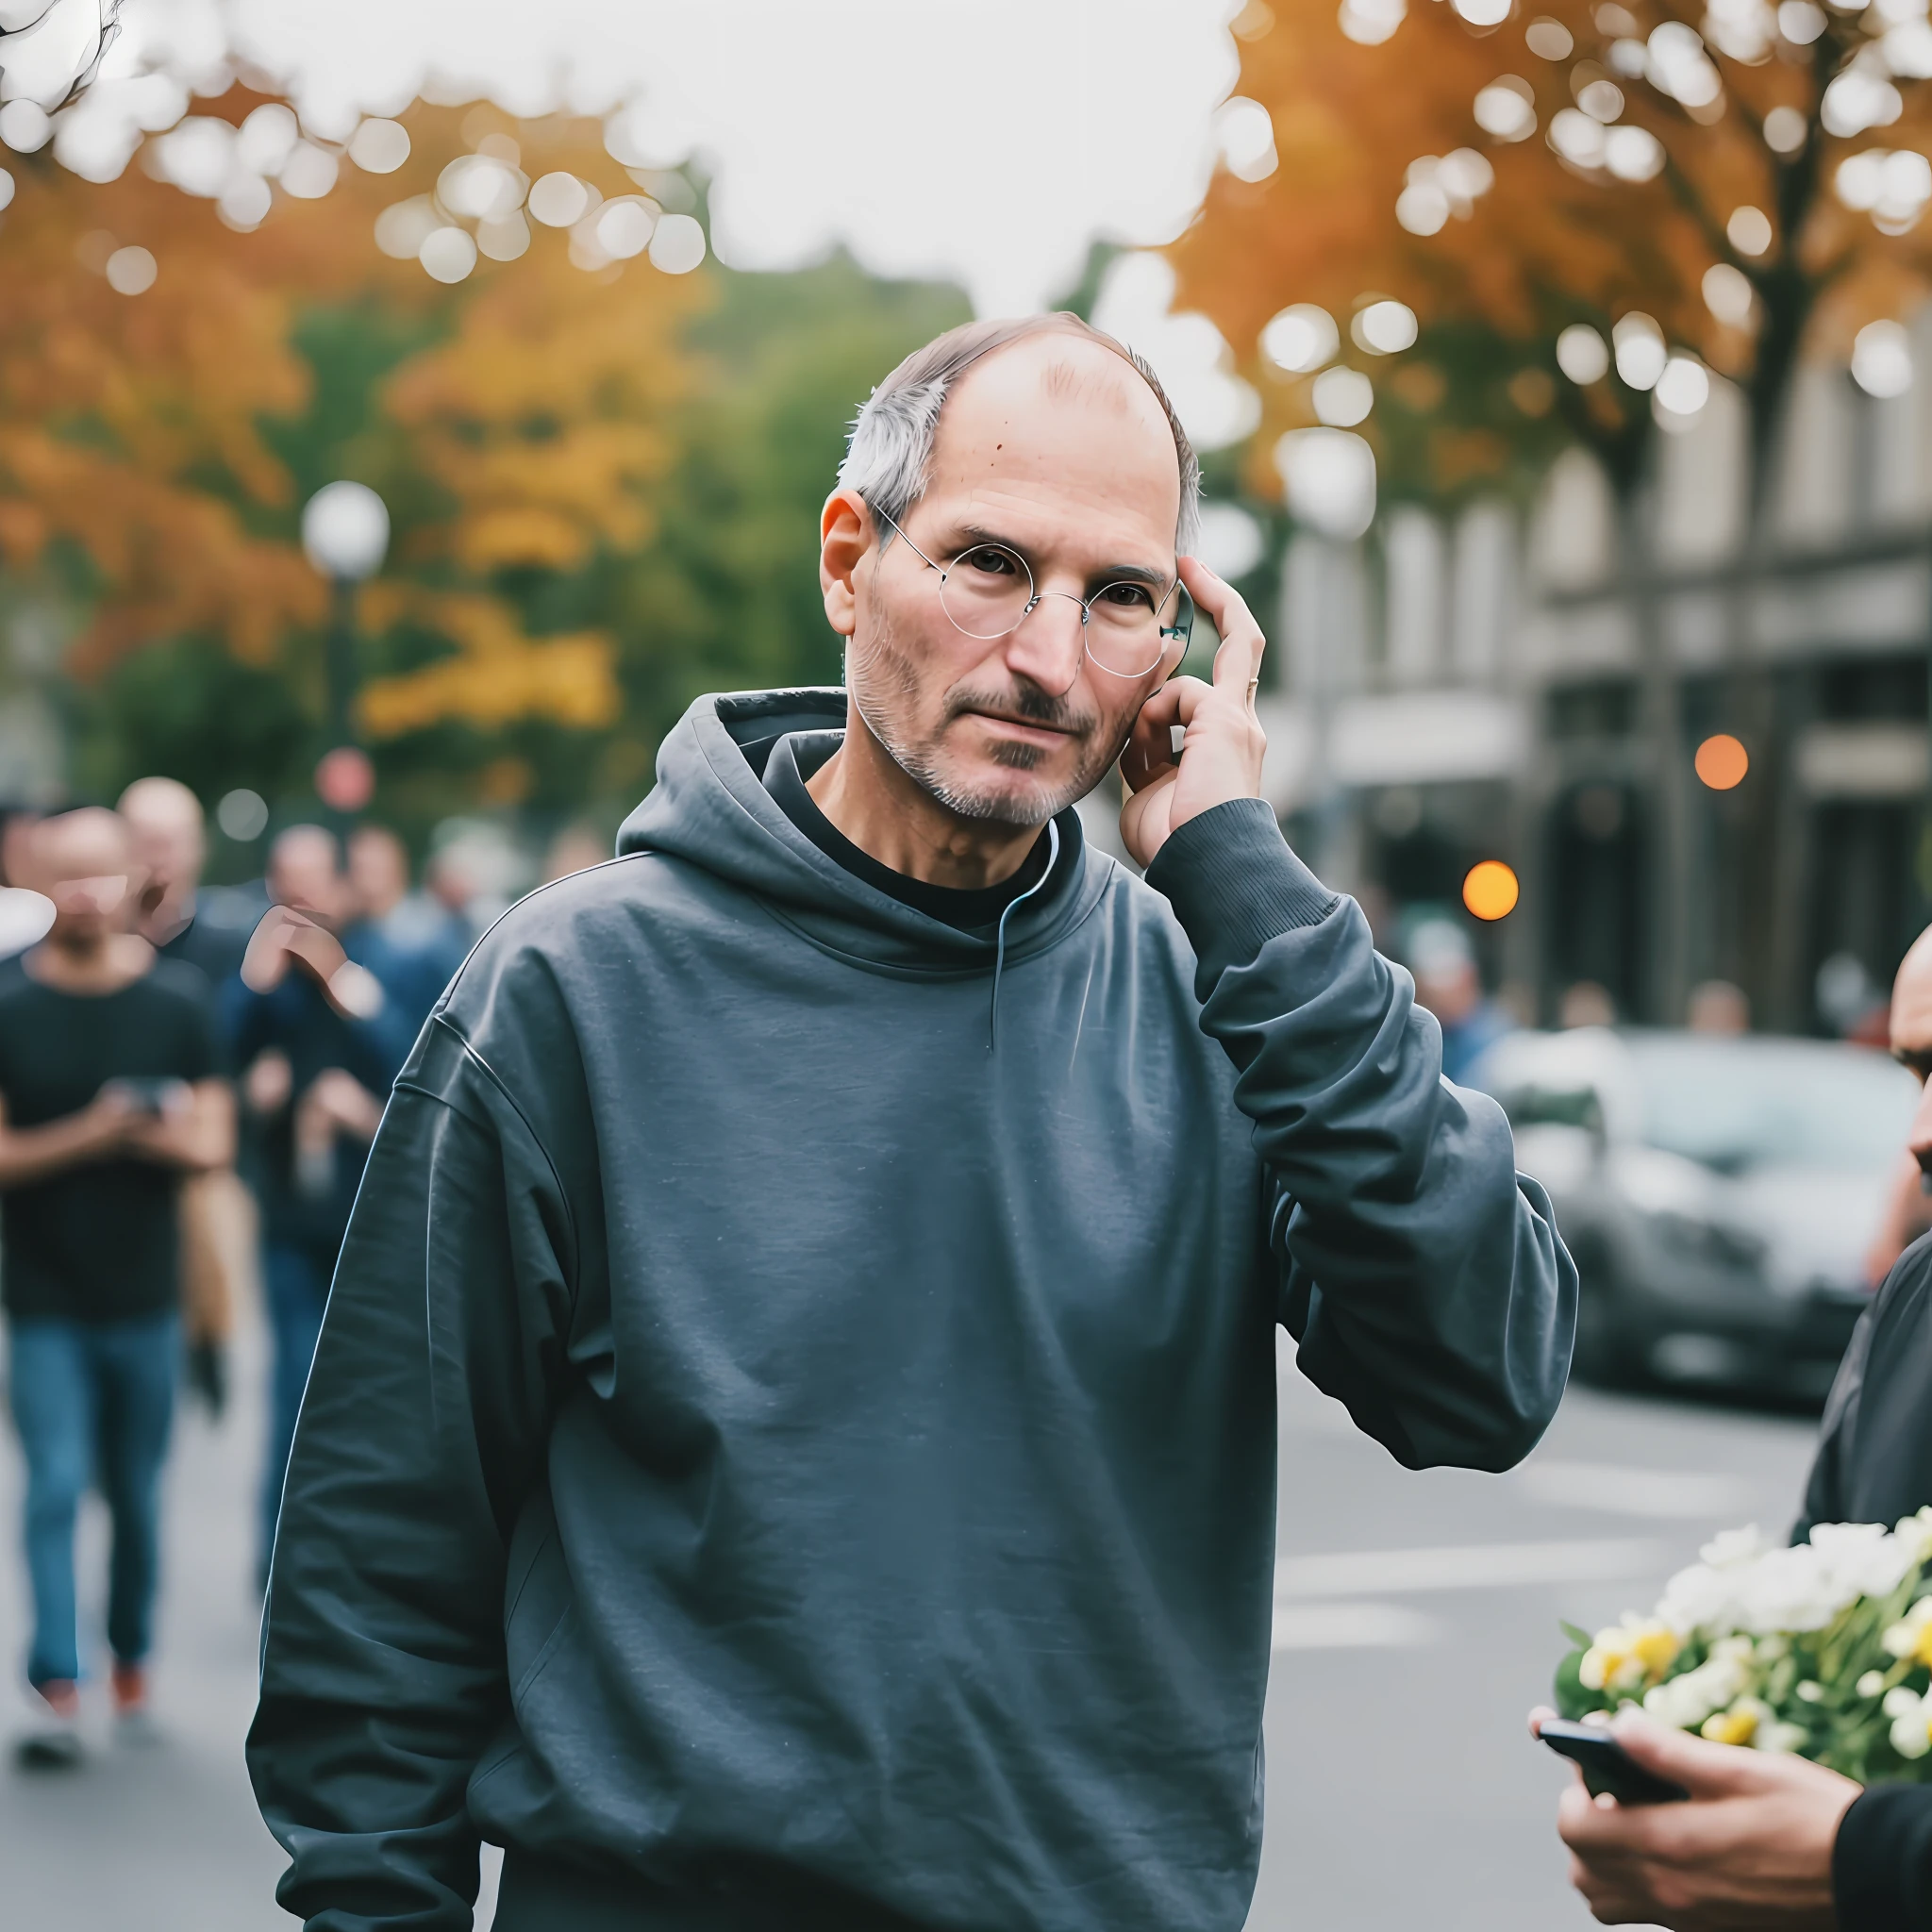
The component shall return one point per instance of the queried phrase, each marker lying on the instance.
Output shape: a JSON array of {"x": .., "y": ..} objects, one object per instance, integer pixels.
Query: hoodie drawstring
[{"x": 999, "y": 957}]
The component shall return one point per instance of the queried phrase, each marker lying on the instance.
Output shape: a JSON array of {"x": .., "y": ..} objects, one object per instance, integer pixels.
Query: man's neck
[
  {"x": 95, "y": 967},
  {"x": 862, "y": 788},
  {"x": 171, "y": 917}
]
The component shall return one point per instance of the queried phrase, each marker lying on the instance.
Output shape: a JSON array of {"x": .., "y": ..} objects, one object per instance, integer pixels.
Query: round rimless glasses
[{"x": 987, "y": 591}]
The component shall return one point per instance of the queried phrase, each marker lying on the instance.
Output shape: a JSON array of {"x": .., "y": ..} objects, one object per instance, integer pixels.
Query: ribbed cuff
[
  {"x": 1879, "y": 1863},
  {"x": 1234, "y": 884}
]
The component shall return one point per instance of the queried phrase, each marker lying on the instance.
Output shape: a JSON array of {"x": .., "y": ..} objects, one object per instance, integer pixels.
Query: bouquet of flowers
[{"x": 1823, "y": 1648}]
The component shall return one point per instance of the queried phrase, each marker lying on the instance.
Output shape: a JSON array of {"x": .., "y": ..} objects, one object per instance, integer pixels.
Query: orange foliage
[
  {"x": 1549, "y": 243},
  {"x": 133, "y": 425}
]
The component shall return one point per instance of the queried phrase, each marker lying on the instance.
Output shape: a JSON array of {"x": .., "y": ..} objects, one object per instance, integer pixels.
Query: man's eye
[
  {"x": 998, "y": 563},
  {"x": 1126, "y": 597}
]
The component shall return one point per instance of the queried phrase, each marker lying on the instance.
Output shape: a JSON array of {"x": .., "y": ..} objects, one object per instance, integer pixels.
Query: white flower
[
  {"x": 1911, "y": 1636},
  {"x": 1870, "y": 1685},
  {"x": 1915, "y": 1534},
  {"x": 1911, "y": 1724},
  {"x": 1730, "y": 1548},
  {"x": 1687, "y": 1701},
  {"x": 1810, "y": 1690}
]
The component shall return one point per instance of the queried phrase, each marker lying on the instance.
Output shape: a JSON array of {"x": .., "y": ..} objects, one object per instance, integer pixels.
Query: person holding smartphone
[
  {"x": 793, "y": 1439},
  {"x": 1763, "y": 1841},
  {"x": 110, "y": 1094}
]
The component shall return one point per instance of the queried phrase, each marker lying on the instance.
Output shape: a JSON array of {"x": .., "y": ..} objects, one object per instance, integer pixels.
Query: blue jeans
[
  {"x": 93, "y": 1400},
  {"x": 296, "y": 1285}
]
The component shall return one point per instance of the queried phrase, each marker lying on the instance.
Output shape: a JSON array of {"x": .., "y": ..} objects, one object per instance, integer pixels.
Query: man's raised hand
[{"x": 1223, "y": 741}]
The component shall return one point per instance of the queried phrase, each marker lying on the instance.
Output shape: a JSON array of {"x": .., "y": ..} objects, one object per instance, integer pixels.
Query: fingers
[
  {"x": 1703, "y": 1768},
  {"x": 1238, "y": 662},
  {"x": 1150, "y": 744},
  {"x": 1541, "y": 1715}
]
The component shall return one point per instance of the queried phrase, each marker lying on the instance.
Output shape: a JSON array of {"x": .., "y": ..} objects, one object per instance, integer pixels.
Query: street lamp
[{"x": 345, "y": 535}]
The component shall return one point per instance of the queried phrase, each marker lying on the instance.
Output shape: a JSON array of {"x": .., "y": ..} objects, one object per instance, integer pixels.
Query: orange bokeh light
[
  {"x": 1722, "y": 761},
  {"x": 1490, "y": 890}
]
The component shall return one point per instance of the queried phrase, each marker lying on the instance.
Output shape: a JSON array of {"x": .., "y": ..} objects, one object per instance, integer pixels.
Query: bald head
[
  {"x": 304, "y": 872},
  {"x": 169, "y": 838},
  {"x": 1912, "y": 1001},
  {"x": 84, "y": 862}
]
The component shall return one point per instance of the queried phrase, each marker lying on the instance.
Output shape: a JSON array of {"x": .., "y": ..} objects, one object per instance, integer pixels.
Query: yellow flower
[
  {"x": 1737, "y": 1726},
  {"x": 1629, "y": 1655}
]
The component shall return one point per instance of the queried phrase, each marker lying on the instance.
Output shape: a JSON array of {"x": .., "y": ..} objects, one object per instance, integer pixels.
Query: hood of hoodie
[{"x": 710, "y": 808}]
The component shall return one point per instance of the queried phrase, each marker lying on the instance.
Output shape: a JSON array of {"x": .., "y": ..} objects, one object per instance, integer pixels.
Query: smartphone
[
  {"x": 1608, "y": 1768},
  {"x": 149, "y": 1092}
]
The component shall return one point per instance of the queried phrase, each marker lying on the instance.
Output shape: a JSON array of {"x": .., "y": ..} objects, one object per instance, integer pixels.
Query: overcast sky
[{"x": 988, "y": 140}]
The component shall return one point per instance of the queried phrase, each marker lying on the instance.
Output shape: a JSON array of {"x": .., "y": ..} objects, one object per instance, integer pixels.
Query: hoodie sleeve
[
  {"x": 1422, "y": 1276},
  {"x": 422, "y": 1429}
]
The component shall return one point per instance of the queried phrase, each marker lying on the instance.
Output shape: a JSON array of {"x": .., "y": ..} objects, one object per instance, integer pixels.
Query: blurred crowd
[{"x": 189, "y": 1080}]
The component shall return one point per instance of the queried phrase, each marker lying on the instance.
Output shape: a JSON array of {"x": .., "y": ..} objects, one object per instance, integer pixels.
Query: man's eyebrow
[{"x": 964, "y": 536}]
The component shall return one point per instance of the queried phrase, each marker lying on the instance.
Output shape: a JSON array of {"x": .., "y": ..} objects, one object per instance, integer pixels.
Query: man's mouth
[{"x": 1030, "y": 731}]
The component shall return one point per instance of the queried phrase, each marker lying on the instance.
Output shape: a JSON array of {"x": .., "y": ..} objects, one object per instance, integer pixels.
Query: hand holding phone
[{"x": 1608, "y": 1770}]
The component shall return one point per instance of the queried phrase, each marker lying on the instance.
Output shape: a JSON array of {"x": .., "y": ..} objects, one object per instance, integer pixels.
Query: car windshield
[{"x": 1735, "y": 1104}]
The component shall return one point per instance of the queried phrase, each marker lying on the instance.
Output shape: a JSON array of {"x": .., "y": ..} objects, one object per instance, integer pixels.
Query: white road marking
[
  {"x": 1469, "y": 1566},
  {"x": 1352, "y": 1627},
  {"x": 1668, "y": 1493}
]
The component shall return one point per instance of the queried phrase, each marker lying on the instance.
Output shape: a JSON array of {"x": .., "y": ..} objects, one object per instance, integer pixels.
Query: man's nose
[
  {"x": 1049, "y": 643},
  {"x": 1920, "y": 1137}
]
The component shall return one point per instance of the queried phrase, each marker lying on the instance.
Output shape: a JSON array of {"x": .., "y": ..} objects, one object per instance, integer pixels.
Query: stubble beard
[{"x": 885, "y": 689}]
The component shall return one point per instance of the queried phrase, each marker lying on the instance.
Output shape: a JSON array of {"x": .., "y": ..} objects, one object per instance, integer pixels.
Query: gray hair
[{"x": 889, "y": 457}]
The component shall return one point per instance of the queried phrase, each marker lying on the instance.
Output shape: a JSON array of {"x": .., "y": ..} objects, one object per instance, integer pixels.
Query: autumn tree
[{"x": 1604, "y": 203}]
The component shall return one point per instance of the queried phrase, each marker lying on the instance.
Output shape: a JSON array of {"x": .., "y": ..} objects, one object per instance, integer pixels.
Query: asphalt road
[{"x": 1416, "y": 1621}]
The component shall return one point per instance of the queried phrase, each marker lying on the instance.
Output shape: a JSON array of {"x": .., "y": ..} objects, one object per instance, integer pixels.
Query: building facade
[{"x": 1534, "y": 686}]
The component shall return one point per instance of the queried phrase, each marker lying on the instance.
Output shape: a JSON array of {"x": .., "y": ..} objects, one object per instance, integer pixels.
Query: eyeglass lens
[{"x": 987, "y": 593}]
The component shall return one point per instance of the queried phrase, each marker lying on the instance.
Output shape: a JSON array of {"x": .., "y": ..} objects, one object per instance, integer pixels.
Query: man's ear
[{"x": 845, "y": 534}]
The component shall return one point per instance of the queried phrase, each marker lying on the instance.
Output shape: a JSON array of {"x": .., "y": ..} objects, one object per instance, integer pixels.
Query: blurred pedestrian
[
  {"x": 108, "y": 1093},
  {"x": 406, "y": 939},
  {"x": 794, "y": 1441},
  {"x": 318, "y": 1042},
  {"x": 1449, "y": 984},
  {"x": 1586, "y": 1004},
  {"x": 218, "y": 1221},
  {"x": 1716, "y": 1006},
  {"x": 576, "y": 848},
  {"x": 178, "y": 918}
]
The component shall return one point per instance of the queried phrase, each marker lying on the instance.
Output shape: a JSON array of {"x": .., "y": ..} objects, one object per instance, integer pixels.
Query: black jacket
[
  {"x": 1874, "y": 1455},
  {"x": 1875, "y": 1465}
]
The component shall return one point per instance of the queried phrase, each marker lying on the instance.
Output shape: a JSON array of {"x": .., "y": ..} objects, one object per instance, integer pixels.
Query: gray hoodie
[{"x": 782, "y": 1454}]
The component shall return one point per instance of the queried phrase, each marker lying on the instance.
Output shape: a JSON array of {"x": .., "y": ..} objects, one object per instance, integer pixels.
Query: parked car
[{"x": 1719, "y": 1193}]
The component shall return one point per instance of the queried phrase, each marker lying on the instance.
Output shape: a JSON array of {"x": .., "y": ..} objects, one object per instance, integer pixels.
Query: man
[
  {"x": 316, "y": 1068},
  {"x": 1874, "y": 1453},
  {"x": 794, "y": 1440},
  {"x": 405, "y": 940},
  {"x": 181, "y": 922},
  {"x": 1908, "y": 1206},
  {"x": 107, "y": 1095},
  {"x": 178, "y": 918},
  {"x": 1775, "y": 1842}
]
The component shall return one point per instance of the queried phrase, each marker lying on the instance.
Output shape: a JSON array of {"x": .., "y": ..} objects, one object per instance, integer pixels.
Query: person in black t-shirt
[{"x": 108, "y": 1093}]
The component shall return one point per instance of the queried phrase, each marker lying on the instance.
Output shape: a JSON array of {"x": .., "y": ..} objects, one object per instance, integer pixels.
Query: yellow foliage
[
  {"x": 497, "y": 674},
  {"x": 132, "y": 426}
]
